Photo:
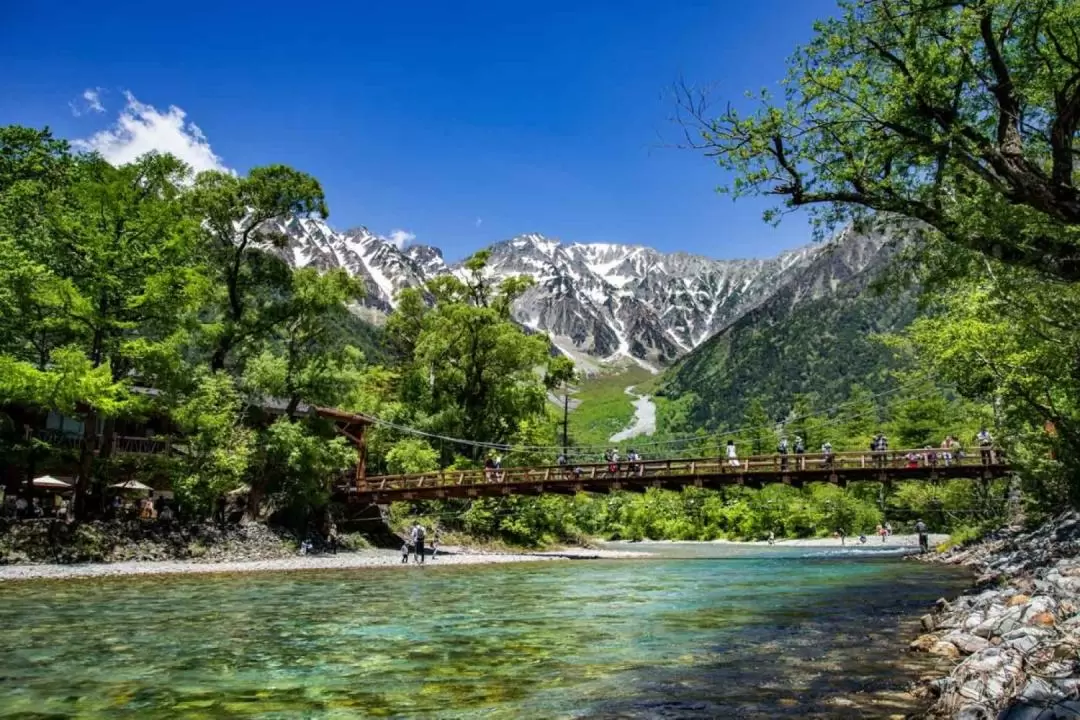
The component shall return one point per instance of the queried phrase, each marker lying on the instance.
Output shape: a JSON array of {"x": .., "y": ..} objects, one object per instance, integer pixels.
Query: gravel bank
[
  {"x": 1016, "y": 635},
  {"x": 342, "y": 561}
]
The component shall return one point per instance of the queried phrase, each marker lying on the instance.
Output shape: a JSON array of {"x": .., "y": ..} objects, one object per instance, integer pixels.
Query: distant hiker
[
  {"x": 946, "y": 456},
  {"x": 405, "y": 553},
  {"x": 826, "y": 454},
  {"x": 489, "y": 469},
  {"x": 782, "y": 451},
  {"x": 862, "y": 539},
  {"x": 843, "y": 536},
  {"x": 732, "y": 456},
  {"x": 881, "y": 532},
  {"x": 612, "y": 459},
  {"x": 498, "y": 468},
  {"x": 332, "y": 537},
  {"x": 772, "y": 537},
  {"x": 436, "y": 535},
  {"x": 956, "y": 449},
  {"x": 561, "y": 460},
  {"x": 418, "y": 543},
  {"x": 800, "y": 451},
  {"x": 986, "y": 444},
  {"x": 929, "y": 456},
  {"x": 888, "y": 528},
  {"x": 633, "y": 462},
  {"x": 924, "y": 539},
  {"x": 879, "y": 446}
]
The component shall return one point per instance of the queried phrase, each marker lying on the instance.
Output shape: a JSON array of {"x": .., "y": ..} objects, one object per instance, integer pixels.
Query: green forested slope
[{"x": 795, "y": 344}]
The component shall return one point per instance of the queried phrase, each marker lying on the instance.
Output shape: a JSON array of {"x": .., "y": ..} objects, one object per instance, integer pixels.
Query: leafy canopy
[{"x": 961, "y": 114}]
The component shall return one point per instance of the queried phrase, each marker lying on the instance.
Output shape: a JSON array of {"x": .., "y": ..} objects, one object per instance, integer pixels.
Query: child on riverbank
[{"x": 405, "y": 553}]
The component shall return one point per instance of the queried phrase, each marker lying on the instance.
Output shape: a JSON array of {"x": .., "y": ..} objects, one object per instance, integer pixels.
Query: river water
[{"x": 701, "y": 631}]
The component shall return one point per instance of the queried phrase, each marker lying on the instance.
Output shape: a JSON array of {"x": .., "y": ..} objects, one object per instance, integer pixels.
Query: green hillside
[
  {"x": 783, "y": 348},
  {"x": 603, "y": 407}
]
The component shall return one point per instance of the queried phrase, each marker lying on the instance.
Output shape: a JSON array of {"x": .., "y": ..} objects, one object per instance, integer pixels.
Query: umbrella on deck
[
  {"x": 48, "y": 481},
  {"x": 132, "y": 485}
]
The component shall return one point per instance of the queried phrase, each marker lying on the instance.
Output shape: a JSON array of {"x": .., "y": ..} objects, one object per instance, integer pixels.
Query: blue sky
[{"x": 460, "y": 123}]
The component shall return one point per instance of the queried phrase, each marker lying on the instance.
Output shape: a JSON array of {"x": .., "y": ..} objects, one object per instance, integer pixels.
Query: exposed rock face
[
  {"x": 606, "y": 300},
  {"x": 1021, "y": 637}
]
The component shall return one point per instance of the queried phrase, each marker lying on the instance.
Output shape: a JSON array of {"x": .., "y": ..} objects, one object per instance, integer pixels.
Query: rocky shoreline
[{"x": 1016, "y": 634}]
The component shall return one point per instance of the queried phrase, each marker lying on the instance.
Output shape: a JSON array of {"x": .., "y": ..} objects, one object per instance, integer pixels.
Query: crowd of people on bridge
[{"x": 790, "y": 454}]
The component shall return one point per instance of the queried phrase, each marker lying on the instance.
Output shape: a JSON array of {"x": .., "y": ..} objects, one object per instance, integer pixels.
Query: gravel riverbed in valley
[{"x": 341, "y": 561}]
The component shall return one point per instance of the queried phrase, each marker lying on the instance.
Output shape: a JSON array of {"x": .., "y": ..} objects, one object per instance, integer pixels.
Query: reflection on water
[{"x": 758, "y": 635}]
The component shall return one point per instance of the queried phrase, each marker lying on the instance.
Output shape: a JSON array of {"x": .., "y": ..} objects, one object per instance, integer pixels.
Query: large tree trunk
[{"x": 86, "y": 463}]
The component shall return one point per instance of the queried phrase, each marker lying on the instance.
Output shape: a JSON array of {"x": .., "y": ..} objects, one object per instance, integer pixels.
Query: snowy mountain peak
[{"x": 606, "y": 300}]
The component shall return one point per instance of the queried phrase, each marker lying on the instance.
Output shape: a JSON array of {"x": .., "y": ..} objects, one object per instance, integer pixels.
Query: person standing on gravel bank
[
  {"x": 924, "y": 539},
  {"x": 418, "y": 543}
]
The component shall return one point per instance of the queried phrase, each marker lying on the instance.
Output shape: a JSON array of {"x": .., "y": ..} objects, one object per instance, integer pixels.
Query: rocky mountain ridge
[{"x": 601, "y": 300}]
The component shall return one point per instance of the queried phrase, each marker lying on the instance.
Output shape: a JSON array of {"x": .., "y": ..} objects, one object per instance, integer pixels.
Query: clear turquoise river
[{"x": 691, "y": 633}]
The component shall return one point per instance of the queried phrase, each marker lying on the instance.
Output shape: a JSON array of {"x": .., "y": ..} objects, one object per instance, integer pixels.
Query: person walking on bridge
[
  {"x": 782, "y": 451},
  {"x": 880, "y": 447},
  {"x": 732, "y": 456},
  {"x": 612, "y": 457},
  {"x": 986, "y": 444},
  {"x": 800, "y": 452},
  {"x": 826, "y": 454}
]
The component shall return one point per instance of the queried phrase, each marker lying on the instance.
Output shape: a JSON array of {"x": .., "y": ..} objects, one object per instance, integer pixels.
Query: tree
[
  {"x": 758, "y": 431},
  {"x": 308, "y": 356},
  {"x": 113, "y": 274},
  {"x": 1006, "y": 340},
  {"x": 807, "y": 422},
  {"x": 243, "y": 221},
  {"x": 412, "y": 455},
  {"x": 960, "y": 114},
  {"x": 473, "y": 371},
  {"x": 561, "y": 373},
  {"x": 218, "y": 449},
  {"x": 301, "y": 462},
  {"x": 860, "y": 420}
]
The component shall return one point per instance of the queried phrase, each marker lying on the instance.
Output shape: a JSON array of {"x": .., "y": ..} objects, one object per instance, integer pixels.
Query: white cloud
[
  {"x": 141, "y": 128},
  {"x": 479, "y": 222},
  {"x": 400, "y": 238},
  {"x": 92, "y": 96}
]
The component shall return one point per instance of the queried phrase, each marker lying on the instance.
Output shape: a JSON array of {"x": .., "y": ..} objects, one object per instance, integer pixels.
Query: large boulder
[
  {"x": 986, "y": 680},
  {"x": 944, "y": 649},
  {"x": 966, "y": 642}
]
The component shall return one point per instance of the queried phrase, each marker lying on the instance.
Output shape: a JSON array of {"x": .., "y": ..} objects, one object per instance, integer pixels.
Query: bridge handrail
[{"x": 791, "y": 463}]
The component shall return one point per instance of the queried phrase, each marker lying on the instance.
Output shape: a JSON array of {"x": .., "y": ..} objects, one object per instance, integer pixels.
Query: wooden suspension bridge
[{"x": 715, "y": 472}]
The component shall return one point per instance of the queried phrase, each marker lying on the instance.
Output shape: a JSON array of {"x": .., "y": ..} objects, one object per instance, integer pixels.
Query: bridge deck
[{"x": 714, "y": 472}]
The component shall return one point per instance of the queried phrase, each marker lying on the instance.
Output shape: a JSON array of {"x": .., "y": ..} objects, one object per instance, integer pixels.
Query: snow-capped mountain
[{"x": 608, "y": 301}]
